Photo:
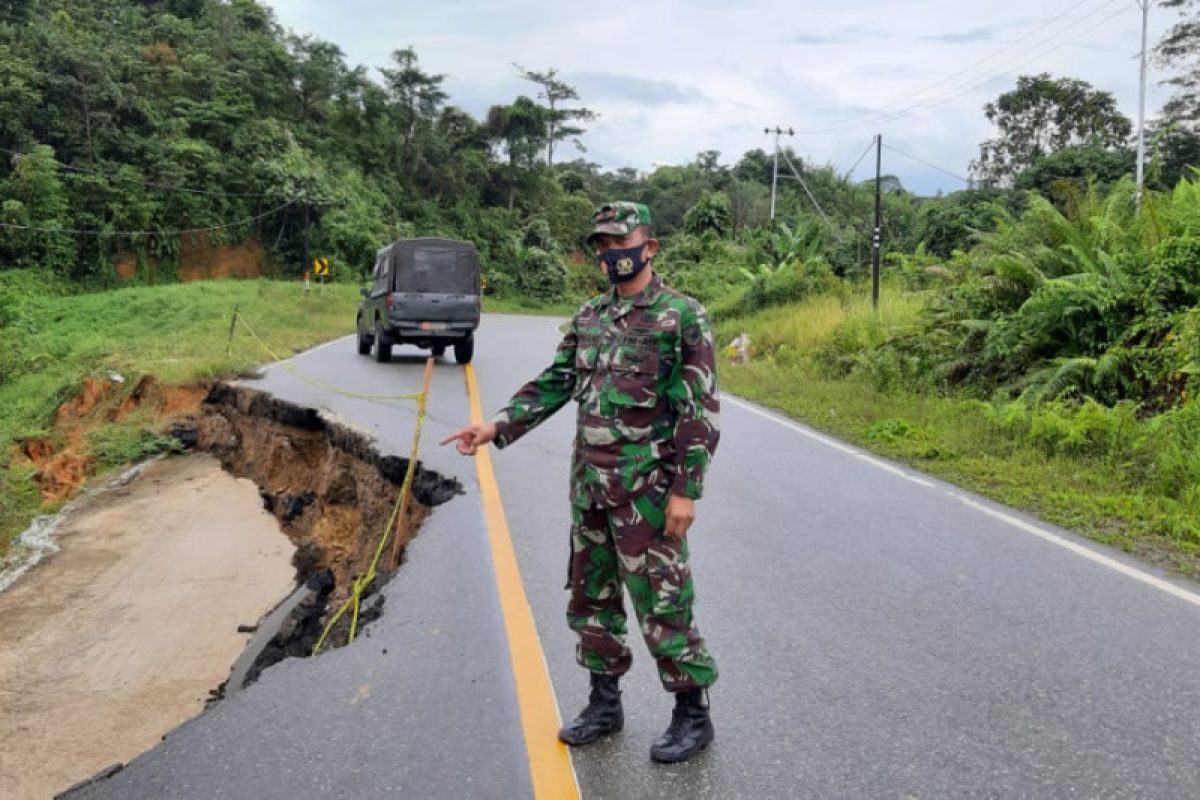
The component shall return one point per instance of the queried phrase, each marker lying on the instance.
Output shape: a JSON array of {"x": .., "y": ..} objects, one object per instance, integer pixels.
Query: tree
[
  {"x": 712, "y": 212},
  {"x": 1076, "y": 166},
  {"x": 950, "y": 223},
  {"x": 320, "y": 76},
  {"x": 416, "y": 95},
  {"x": 561, "y": 123},
  {"x": 751, "y": 203},
  {"x": 1179, "y": 49},
  {"x": 1041, "y": 116},
  {"x": 755, "y": 165},
  {"x": 33, "y": 196},
  {"x": 1174, "y": 148},
  {"x": 1176, "y": 137},
  {"x": 520, "y": 131}
]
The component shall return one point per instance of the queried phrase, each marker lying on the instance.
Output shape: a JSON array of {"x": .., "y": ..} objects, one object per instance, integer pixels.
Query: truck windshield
[{"x": 436, "y": 270}]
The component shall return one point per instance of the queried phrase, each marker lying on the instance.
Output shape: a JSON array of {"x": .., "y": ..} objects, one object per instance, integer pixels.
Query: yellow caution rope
[
  {"x": 314, "y": 381},
  {"x": 393, "y": 524},
  {"x": 399, "y": 510}
]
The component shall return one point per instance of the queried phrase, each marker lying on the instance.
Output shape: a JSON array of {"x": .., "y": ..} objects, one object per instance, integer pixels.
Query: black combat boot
[
  {"x": 690, "y": 730},
  {"x": 601, "y": 715}
]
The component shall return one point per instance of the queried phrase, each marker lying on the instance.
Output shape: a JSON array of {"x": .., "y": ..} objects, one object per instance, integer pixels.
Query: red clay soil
[
  {"x": 62, "y": 461},
  {"x": 199, "y": 260},
  {"x": 92, "y": 391},
  {"x": 331, "y": 491}
]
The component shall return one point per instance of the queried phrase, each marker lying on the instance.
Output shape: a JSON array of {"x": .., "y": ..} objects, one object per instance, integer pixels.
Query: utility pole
[
  {"x": 1141, "y": 139},
  {"x": 778, "y": 131},
  {"x": 877, "y": 234},
  {"x": 306, "y": 265}
]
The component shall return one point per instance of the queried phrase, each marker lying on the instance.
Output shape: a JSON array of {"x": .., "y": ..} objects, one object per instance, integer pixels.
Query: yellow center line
[{"x": 550, "y": 768}]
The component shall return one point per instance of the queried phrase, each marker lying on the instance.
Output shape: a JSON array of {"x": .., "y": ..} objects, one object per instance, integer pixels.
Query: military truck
[{"x": 423, "y": 292}]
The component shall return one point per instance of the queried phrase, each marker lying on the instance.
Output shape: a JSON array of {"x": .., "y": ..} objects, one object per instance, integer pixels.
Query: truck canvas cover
[{"x": 442, "y": 266}]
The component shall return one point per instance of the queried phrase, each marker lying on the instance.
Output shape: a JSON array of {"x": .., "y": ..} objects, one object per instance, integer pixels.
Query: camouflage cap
[{"x": 619, "y": 218}]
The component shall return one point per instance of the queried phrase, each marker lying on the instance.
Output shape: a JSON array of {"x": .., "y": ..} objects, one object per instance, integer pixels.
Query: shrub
[
  {"x": 712, "y": 213},
  {"x": 789, "y": 283},
  {"x": 541, "y": 275}
]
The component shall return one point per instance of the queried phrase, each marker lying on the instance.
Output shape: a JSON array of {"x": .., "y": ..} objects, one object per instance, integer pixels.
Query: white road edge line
[
  {"x": 825, "y": 440},
  {"x": 294, "y": 356},
  {"x": 896, "y": 471},
  {"x": 1154, "y": 581}
]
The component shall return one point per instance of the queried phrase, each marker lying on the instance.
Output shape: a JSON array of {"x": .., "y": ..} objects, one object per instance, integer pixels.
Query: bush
[
  {"x": 712, "y": 213},
  {"x": 585, "y": 279},
  {"x": 1168, "y": 452},
  {"x": 1174, "y": 274},
  {"x": 789, "y": 283},
  {"x": 1072, "y": 429},
  {"x": 541, "y": 276}
]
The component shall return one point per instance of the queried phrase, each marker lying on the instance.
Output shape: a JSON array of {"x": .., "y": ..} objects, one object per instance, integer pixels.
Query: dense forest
[{"x": 140, "y": 119}]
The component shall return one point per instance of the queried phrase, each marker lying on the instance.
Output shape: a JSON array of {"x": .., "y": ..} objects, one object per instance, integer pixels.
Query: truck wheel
[
  {"x": 463, "y": 350},
  {"x": 383, "y": 345},
  {"x": 438, "y": 350},
  {"x": 364, "y": 341}
]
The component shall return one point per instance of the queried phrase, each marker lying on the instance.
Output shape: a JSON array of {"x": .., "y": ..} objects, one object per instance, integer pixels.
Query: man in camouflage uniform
[{"x": 639, "y": 360}]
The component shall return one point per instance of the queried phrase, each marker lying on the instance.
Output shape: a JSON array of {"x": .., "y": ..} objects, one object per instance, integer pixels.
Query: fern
[{"x": 1068, "y": 375}]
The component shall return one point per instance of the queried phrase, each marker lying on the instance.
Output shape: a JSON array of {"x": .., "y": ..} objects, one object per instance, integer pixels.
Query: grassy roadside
[
  {"x": 517, "y": 305},
  {"x": 50, "y": 341},
  {"x": 963, "y": 441}
]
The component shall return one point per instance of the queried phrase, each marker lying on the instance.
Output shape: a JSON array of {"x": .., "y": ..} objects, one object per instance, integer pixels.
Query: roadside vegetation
[
  {"x": 53, "y": 338},
  {"x": 1053, "y": 365}
]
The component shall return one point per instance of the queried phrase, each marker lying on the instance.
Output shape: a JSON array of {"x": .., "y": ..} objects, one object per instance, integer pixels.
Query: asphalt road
[{"x": 879, "y": 634}]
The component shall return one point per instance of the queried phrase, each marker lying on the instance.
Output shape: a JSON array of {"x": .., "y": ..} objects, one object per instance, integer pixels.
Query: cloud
[
  {"x": 709, "y": 74},
  {"x": 845, "y": 35},
  {"x": 641, "y": 91},
  {"x": 982, "y": 34}
]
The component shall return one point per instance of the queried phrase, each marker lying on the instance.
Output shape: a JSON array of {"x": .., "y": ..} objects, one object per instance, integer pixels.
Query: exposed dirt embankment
[
  {"x": 328, "y": 486},
  {"x": 64, "y": 460},
  {"x": 199, "y": 260}
]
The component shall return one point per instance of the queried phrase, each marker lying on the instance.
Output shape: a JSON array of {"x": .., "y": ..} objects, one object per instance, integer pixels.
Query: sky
[{"x": 670, "y": 78}]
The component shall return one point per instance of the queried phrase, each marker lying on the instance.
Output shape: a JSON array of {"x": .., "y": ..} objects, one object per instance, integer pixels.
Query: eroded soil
[
  {"x": 132, "y": 627},
  {"x": 120, "y": 636},
  {"x": 329, "y": 488}
]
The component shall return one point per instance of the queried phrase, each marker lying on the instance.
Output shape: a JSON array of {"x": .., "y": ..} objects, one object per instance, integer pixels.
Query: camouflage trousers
[{"x": 626, "y": 545}]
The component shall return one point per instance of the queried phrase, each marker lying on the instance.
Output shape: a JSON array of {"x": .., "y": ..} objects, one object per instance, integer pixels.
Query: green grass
[
  {"x": 955, "y": 439},
  {"x": 519, "y": 305},
  {"x": 179, "y": 332},
  {"x": 803, "y": 326}
]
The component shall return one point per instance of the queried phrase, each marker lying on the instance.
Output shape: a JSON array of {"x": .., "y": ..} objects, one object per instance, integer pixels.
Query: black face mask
[{"x": 623, "y": 264}]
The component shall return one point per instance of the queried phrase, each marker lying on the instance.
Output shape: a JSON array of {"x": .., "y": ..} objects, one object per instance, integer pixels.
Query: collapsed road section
[
  {"x": 159, "y": 574},
  {"x": 332, "y": 493}
]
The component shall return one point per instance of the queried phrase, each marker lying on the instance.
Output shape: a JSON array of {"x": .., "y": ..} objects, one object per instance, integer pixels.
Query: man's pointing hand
[{"x": 472, "y": 437}]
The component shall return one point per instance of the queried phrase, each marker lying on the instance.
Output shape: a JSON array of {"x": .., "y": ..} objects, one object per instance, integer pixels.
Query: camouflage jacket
[{"x": 642, "y": 370}]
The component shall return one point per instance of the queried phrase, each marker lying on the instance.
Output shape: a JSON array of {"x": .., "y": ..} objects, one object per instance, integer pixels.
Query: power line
[
  {"x": 876, "y": 112},
  {"x": 929, "y": 164},
  {"x": 850, "y": 171},
  {"x": 179, "y": 232},
  {"x": 968, "y": 87},
  {"x": 908, "y": 105},
  {"x": 778, "y": 131},
  {"x": 117, "y": 176},
  {"x": 820, "y": 210},
  {"x": 1023, "y": 58}
]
